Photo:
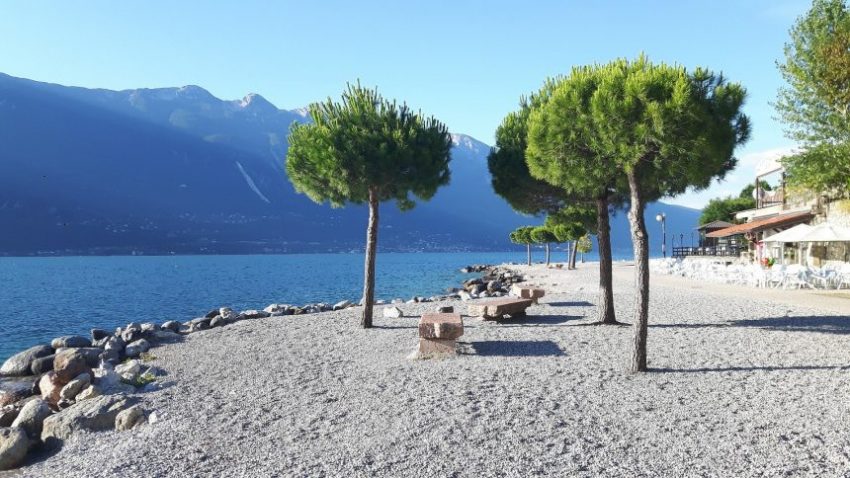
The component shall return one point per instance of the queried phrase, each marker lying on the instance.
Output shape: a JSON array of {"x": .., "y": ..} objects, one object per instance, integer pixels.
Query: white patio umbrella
[
  {"x": 826, "y": 232},
  {"x": 793, "y": 234},
  {"x": 790, "y": 235}
]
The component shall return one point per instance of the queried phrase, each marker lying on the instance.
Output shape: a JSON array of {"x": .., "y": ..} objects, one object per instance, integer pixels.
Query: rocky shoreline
[{"x": 51, "y": 392}]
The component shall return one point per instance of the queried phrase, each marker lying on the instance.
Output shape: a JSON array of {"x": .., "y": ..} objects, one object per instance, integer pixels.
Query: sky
[{"x": 465, "y": 62}]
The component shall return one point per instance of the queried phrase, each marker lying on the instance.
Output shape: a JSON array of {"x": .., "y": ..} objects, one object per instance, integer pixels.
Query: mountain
[{"x": 177, "y": 170}]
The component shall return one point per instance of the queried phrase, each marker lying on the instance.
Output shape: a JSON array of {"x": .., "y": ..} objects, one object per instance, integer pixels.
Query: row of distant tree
[
  {"x": 574, "y": 235},
  {"x": 814, "y": 105}
]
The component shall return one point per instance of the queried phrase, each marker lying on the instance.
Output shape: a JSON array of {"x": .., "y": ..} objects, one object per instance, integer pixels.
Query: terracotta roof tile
[{"x": 787, "y": 219}]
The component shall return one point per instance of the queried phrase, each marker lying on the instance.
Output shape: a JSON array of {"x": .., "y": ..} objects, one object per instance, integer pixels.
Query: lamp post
[{"x": 662, "y": 218}]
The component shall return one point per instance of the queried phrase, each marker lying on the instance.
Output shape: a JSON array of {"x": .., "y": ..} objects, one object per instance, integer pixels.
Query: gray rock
[
  {"x": 148, "y": 328},
  {"x": 14, "y": 445},
  {"x": 137, "y": 348},
  {"x": 70, "y": 341},
  {"x": 227, "y": 313},
  {"x": 277, "y": 310},
  {"x": 129, "y": 418},
  {"x": 115, "y": 343},
  {"x": 212, "y": 313},
  {"x": 397, "y": 301},
  {"x": 165, "y": 336},
  {"x": 171, "y": 325},
  {"x": 255, "y": 314},
  {"x": 494, "y": 286},
  {"x": 129, "y": 370},
  {"x": 8, "y": 414},
  {"x": 20, "y": 364},
  {"x": 31, "y": 418},
  {"x": 99, "y": 334},
  {"x": 132, "y": 332},
  {"x": 342, "y": 305},
  {"x": 90, "y": 354},
  {"x": 97, "y": 414},
  {"x": 392, "y": 312},
  {"x": 112, "y": 356},
  {"x": 464, "y": 295},
  {"x": 14, "y": 391},
  {"x": 201, "y": 321},
  {"x": 42, "y": 365},
  {"x": 89, "y": 392},
  {"x": 218, "y": 321},
  {"x": 75, "y": 386}
]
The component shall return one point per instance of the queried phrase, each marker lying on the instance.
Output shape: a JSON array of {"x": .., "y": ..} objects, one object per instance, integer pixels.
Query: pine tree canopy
[{"x": 366, "y": 142}]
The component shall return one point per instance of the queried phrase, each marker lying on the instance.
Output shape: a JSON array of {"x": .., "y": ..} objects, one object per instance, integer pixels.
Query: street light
[{"x": 662, "y": 218}]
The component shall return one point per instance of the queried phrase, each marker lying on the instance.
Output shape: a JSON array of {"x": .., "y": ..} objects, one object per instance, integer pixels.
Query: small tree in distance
[
  {"x": 543, "y": 235},
  {"x": 584, "y": 245},
  {"x": 522, "y": 235},
  {"x": 366, "y": 149}
]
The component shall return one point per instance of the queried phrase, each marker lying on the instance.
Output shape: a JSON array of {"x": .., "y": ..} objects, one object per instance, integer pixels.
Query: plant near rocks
[{"x": 365, "y": 149}]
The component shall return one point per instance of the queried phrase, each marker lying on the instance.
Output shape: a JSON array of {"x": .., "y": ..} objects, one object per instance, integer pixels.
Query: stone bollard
[{"x": 438, "y": 335}]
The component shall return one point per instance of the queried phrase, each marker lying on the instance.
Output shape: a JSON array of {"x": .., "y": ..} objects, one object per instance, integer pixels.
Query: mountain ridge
[{"x": 161, "y": 170}]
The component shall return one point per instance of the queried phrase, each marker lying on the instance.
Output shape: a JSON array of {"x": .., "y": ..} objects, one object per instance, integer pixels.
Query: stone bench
[
  {"x": 528, "y": 293},
  {"x": 497, "y": 309},
  {"x": 438, "y": 334}
]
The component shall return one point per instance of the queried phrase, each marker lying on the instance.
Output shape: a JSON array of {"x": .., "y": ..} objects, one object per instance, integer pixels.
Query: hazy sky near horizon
[{"x": 465, "y": 62}]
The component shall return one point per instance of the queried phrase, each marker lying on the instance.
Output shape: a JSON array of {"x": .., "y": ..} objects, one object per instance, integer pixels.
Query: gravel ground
[{"x": 739, "y": 387}]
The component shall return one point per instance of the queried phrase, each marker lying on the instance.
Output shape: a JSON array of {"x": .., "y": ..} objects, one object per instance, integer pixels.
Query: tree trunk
[
  {"x": 640, "y": 243},
  {"x": 569, "y": 253},
  {"x": 573, "y": 247},
  {"x": 528, "y": 250},
  {"x": 606, "y": 288},
  {"x": 547, "y": 254},
  {"x": 371, "y": 246}
]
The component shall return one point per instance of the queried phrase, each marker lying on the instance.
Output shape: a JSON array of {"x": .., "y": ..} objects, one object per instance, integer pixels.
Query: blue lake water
[{"x": 42, "y": 298}]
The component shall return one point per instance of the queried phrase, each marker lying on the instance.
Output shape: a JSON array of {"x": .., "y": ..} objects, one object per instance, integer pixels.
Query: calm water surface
[{"x": 42, "y": 298}]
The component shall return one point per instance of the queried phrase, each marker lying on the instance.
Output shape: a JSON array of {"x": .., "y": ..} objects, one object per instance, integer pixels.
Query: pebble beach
[{"x": 739, "y": 385}]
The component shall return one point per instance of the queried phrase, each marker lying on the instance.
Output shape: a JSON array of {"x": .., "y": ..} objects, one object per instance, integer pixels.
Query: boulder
[
  {"x": 392, "y": 312},
  {"x": 97, "y": 414},
  {"x": 165, "y": 336},
  {"x": 494, "y": 286},
  {"x": 90, "y": 354},
  {"x": 131, "y": 333},
  {"x": 218, "y": 321},
  {"x": 211, "y": 314},
  {"x": 171, "y": 325},
  {"x": 110, "y": 355},
  {"x": 20, "y": 364},
  {"x": 129, "y": 418},
  {"x": 137, "y": 348},
  {"x": 148, "y": 328},
  {"x": 277, "y": 310},
  {"x": 464, "y": 295},
  {"x": 202, "y": 321},
  {"x": 255, "y": 314},
  {"x": 14, "y": 391},
  {"x": 8, "y": 414},
  {"x": 115, "y": 343},
  {"x": 70, "y": 363},
  {"x": 42, "y": 365},
  {"x": 70, "y": 341},
  {"x": 227, "y": 313},
  {"x": 129, "y": 370},
  {"x": 99, "y": 334},
  {"x": 74, "y": 387},
  {"x": 89, "y": 392},
  {"x": 14, "y": 445},
  {"x": 342, "y": 305},
  {"x": 31, "y": 418},
  {"x": 108, "y": 381},
  {"x": 51, "y": 386}
]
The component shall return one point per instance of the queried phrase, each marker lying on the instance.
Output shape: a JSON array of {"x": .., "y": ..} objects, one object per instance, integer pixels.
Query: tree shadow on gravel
[
  {"x": 516, "y": 348},
  {"x": 539, "y": 320},
  {"x": 765, "y": 368},
  {"x": 580, "y": 303},
  {"x": 831, "y": 324}
]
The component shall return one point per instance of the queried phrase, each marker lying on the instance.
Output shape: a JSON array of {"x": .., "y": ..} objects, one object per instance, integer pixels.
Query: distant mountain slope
[{"x": 178, "y": 170}]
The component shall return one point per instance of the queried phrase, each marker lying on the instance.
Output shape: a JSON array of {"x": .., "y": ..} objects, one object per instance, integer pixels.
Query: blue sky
[{"x": 465, "y": 62}]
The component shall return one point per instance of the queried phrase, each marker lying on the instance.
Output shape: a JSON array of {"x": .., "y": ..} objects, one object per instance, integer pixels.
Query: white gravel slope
[{"x": 740, "y": 387}]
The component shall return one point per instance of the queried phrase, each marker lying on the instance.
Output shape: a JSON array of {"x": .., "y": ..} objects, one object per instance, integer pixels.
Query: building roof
[
  {"x": 779, "y": 220},
  {"x": 715, "y": 225}
]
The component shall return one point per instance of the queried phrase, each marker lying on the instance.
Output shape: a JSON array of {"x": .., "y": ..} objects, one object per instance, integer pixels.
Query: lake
[{"x": 45, "y": 297}]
